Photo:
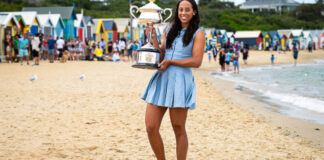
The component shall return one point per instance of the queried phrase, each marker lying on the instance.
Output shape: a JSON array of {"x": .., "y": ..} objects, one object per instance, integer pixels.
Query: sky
[{"x": 241, "y": 1}]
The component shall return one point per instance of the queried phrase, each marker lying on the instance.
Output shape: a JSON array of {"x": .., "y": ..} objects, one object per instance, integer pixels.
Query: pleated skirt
[{"x": 172, "y": 88}]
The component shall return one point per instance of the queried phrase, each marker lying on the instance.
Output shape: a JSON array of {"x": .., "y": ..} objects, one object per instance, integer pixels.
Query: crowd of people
[
  {"x": 229, "y": 53},
  {"x": 40, "y": 47}
]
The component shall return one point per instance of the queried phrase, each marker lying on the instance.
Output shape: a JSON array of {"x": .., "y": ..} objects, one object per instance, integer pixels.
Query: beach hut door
[{"x": 47, "y": 31}]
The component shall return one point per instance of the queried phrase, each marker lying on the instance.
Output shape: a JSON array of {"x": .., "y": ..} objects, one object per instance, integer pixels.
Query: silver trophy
[{"x": 148, "y": 57}]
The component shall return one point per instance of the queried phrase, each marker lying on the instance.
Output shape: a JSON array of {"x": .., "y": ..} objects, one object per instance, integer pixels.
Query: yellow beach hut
[{"x": 8, "y": 24}]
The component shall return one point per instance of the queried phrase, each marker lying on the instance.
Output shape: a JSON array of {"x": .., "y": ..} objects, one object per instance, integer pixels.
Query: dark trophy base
[{"x": 145, "y": 66}]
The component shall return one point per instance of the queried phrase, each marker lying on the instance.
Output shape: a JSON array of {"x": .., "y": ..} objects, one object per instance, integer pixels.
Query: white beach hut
[{"x": 46, "y": 24}]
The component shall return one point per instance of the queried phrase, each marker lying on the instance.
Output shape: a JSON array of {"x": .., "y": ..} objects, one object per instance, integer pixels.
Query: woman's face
[{"x": 185, "y": 12}]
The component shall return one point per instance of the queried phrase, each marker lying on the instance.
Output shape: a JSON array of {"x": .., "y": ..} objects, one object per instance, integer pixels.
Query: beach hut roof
[
  {"x": 43, "y": 19},
  {"x": 109, "y": 25},
  {"x": 56, "y": 18},
  {"x": 247, "y": 34},
  {"x": 18, "y": 18},
  {"x": 65, "y": 12},
  {"x": 88, "y": 19},
  {"x": 5, "y": 18},
  {"x": 79, "y": 20},
  {"x": 230, "y": 34},
  {"x": 307, "y": 34},
  {"x": 28, "y": 17},
  {"x": 297, "y": 32},
  {"x": 208, "y": 31},
  {"x": 223, "y": 31},
  {"x": 121, "y": 23},
  {"x": 286, "y": 32},
  {"x": 273, "y": 33}
]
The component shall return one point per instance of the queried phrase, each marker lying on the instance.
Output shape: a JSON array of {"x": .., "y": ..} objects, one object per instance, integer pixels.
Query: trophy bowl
[{"x": 148, "y": 57}]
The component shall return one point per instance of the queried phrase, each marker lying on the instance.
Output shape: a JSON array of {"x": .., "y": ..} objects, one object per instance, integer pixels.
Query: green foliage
[{"x": 213, "y": 13}]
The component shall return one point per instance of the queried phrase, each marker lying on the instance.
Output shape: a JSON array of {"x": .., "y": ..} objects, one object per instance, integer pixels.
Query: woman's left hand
[{"x": 163, "y": 65}]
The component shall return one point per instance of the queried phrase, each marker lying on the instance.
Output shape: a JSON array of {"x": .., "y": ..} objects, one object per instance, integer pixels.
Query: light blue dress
[{"x": 175, "y": 87}]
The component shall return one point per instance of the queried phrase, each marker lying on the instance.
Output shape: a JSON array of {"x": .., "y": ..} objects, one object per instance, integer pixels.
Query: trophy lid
[
  {"x": 148, "y": 47},
  {"x": 150, "y": 7}
]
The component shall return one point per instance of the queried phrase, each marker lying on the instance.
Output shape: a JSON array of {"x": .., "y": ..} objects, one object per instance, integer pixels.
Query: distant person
[
  {"x": 115, "y": 46},
  {"x": 35, "y": 49},
  {"x": 222, "y": 59},
  {"x": 313, "y": 45},
  {"x": 23, "y": 49},
  {"x": 295, "y": 53},
  {"x": 121, "y": 46},
  {"x": 214, "y": 52},
  {"x": 103, "y": 45},
  {"x": 272, "y": 59},
  {"x": 135, "y": 47},
  {"x": 245, "y": 52},
  {"x": 98, "y": 53},
  {"x": 15, "y": 48},
  {"x": 209, "y": 52},
  {"x": 130, "y": 50},
  {"x": 228, "y": 57},
  {"x": 235, "y": 58},
  {"x": 110, "y": 47},
  {"x": 60, "y": 45},
  {"x": 309, "y": 47},
  {"x": 44, "y": 48},
  {"x": 51, "y": 43},
  {"x": 140, "y": 43}
]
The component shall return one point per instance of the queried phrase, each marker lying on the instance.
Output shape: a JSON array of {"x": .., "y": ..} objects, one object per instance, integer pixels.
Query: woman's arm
[{"x": 197, "y": 54}]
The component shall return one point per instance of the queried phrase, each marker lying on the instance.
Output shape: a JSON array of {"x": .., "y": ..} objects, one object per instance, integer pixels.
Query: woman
[
  {"x": 295, "y": 53},
  {"x": 172, "y": 86},
  {"x": 222, "y": 59}
]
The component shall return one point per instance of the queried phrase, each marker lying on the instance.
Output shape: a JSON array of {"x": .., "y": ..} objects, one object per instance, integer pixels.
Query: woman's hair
[{"x": 176, "y": 26}]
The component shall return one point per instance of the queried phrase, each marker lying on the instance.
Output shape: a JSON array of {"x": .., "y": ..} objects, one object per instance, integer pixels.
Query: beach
[{"x": 60, "y": 116}]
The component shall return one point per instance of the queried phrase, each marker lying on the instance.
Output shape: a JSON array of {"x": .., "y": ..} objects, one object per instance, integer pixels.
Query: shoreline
[{"x": 290, "y": 126}]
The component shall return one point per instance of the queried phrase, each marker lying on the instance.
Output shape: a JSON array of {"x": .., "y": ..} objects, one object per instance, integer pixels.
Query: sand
[{"x": 60, "y": 116}]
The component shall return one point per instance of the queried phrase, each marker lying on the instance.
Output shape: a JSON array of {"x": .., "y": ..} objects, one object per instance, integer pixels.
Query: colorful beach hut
[
  {"x": 297, "y": 36},
  {"x": 231, "y": 37},
  {"x": 267, "y": 39},
  {"x": 89, "y": 22},
  {"x": 253, "y": 38},
  {"x": 8, "y": 24},
  {"x": 30, "y": 19},
  {"x": 285, "y": 40},
  {"x": 21, "y": 22},
  {"x": 46, "y": 24},
  {"x": 321, "y": 40},
  {"x": 122, "y": 27},
  {"x": 68, "y": 15},
  {"x": 275, "y": 37},
  {"x": 58, "y": 25},
  {"x": 80, "y": 26},
  {"x": 105, "y": 29},
  {"x": 307, "y": 39}
]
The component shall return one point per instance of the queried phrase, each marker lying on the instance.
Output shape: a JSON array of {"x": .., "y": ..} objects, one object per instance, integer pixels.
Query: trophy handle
[
  {"x": 131, "y": 9},
  {"x": 164, "y": 12}
]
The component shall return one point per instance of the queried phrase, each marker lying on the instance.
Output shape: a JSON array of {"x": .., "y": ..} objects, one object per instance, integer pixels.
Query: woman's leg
[
  {"x": 178, "y": 118},
  {"x": 153, "y": 119}
]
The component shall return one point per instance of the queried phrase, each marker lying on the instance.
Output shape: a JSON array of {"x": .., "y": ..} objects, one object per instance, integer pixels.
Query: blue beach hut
[
  {"x": 68, "y": 15},
  {"x": 58, "y": 25}
]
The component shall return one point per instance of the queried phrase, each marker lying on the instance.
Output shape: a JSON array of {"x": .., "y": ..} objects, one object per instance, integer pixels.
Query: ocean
[{"x": 294, "y": 91}]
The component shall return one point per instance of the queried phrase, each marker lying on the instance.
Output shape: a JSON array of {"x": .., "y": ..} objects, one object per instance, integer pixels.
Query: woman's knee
[
  {"x": 179, "y": 129},
  {"x": 151, "y": 127}
]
